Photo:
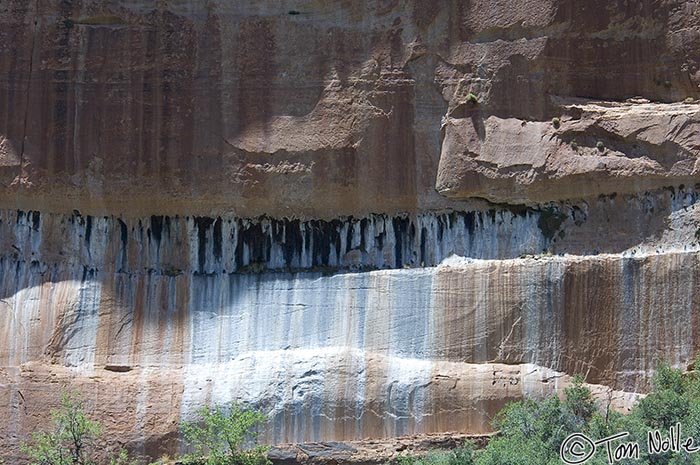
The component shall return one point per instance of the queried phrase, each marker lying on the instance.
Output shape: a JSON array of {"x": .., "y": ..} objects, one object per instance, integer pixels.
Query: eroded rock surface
[
  {"x": 326, "y": 109},
  {"x": 366, "y": 219},
  {"x": 369, "y": 452},
  {"x": 345, "y": 355},
  {"x": 593, "y": 148}
]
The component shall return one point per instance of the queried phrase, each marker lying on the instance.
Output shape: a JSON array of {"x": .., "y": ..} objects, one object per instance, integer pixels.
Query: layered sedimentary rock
[
  {"x": 363, "y": 218},
  {"x": 373, "y": 451},
  {"x": 326, "y": 109},
  {"x": 593, "y": 148},
  {"x": 333, "y": 354}
]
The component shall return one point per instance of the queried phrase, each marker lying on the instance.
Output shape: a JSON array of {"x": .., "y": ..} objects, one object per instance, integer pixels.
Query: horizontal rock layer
[
  {"x": 370, "y": 452},
  {"x": 173, "y": 246},
  {"x": 177, "y": 245},
  {"x": 177, "y": 180},
  {"x": 591, "y": 148},
  {"x": 346, "y": 355},
  {"x": 569, "y": 314},
  {"x": 339, "y": 357},
  {"x": 143, "y": 407},
  {"x": 316, "y": 109}
]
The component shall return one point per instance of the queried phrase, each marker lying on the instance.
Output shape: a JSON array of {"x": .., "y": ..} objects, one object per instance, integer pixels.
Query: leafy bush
[
  {"x": 460, "y": 456},
  {"x": 531, "y": 432},
  {"x": 556, "y": 122},
  {"x": 163, "y": 460},
  {"x": 73, "y": 440},
  {"x": 221, "y": 433},
  {"x": 579, "y": 401}
]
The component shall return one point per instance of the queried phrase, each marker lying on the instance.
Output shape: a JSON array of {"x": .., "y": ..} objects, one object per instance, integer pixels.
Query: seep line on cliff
[
  {"x": 216, "y": 309},
  {"x": 173, "y": 245}
]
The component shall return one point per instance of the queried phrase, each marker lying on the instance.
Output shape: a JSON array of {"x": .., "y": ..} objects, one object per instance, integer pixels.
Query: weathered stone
[
  {"x": 348, "y": 355},
  {"x": 282, "y": 456},
  {"x": 207, "y": 106},
  {"x": 596, "y": 148},
  {"x": 327, "y": 450},
  {"x": 375, "y": 451},
  {"x": 207, "y": 200}
]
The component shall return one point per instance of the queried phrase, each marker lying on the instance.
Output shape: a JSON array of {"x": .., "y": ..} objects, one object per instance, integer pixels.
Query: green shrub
[
  {"x": 461, "y": 456},
  {"x": 669, "y": 402},
  {"x": 556, "y": 122},
  {"x": 220, "y": 435},
  {"x": 73, "y": 440},
  {"x": 506, "y": 451},
  {"x": 600, "y": 146},
  {"x": 464, "y": 455},
  {"x": 532, "y": 431},
  {"x": 472, "y": 98},
  {"x": 579, "y": 401},
  {"x": 574, "y": 144},
  {"x": 122, "y": 458},
  {"x": 405, "y": 459}
]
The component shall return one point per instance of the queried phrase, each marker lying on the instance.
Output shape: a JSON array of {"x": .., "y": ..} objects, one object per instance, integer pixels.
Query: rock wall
[
  {"x": 324, "y": 109},
  {"x": 367, "y": 219},
  {"x": 152, "y": 318}
]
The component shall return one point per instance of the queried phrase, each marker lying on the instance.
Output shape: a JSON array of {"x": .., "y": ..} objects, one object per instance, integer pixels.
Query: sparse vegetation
[
  {"x": 471, "y": 98},
  {"x": 556, "y": 122},
  {"x": 574, "y": 144},
  {"x": 73, "y": 439},
  {"x": 533, "y": 431},
  {"x": 225, "y": 435},
  {"x": 122, "y": 458},
  {"x": 164, "y": 460},
  {"x": 600, "y": 146},
  {"x": 461, "y": 456}
]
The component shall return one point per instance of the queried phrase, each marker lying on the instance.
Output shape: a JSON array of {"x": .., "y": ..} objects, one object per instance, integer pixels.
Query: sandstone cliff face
[
  {"x": 152, "y": 319},
  {"x": 204, "y": 106},
  {"x": 594, "y": 148},
  {"x": 268, "y": 201},
  {"x": 524, "y": 65},
  {"x": 324, "y": 109}
]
